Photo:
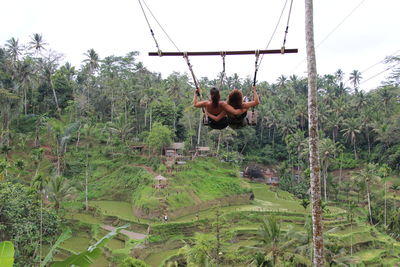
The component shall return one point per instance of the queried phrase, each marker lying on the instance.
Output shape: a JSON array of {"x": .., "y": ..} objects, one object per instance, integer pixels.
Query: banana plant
[{"x": 6, "y": 254}]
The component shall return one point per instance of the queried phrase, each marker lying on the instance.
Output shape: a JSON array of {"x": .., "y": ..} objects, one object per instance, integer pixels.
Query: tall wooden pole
[{"x": 318, "y": 242}]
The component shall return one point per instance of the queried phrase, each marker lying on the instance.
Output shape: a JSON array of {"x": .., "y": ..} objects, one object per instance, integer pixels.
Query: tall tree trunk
[
  {"x": 325, "y": 177},
  {"x": 112, "y": 103},
  {"x": 351, "y": 235},
  {"x": 369, "y": 205},
  {"x": 78, "y": 137},
  {"x": 55, "y": 97},
  {"x": 151, "y": 116},
  {"x": 37, "y": 137},
  {"x": 41, "y": 228},
  {"x": 145, "y": 117},
  {"x": 340, "y": 168},
  {"x": 369, "y": 143},
  {"x": 219, "y": 141},
  {"x": 385, "y": 213},
  {"x": 355, "y": 151},
  {"x": 25, "y": 102},
  {"x": 86, "y": 180},
  {"x": 58, "y": 159},
  {"x": 318, "y": 242}
]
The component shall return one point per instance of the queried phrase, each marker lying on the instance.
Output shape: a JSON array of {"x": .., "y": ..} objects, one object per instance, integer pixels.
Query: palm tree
[
  {"x": 48, "y": 68},
  {"x": 8, "y": 106},
  {"x": 37, "y": 43},
  {"x": 351, "y": 128},
  {"x": 39, "y": 183},
  {"x": 366, "y": 126},
  {"x": 386, "y": 97},
  {"x": 352, "y": 207},
  {"x": 339, "y": 75},
  {"x": 287, "y": 124},
  {"x": 92, "y": 64},
  {"x": 369, "y": 176},
  {"x": 318, "y": 239},
  {"x": 282, "y": 81},
  {"x": 355, "y": 78},
  {"x": 25, "y": 74},
  {"x": 13, "y": 48},
  {"x": 270, "y": 231},
  {"x": 360, "y": 101},
  {"x": 59, "y": 189},
  {"x": 301, "y": 112},
  {"x": 92, "y": 60},
  {"x": 327, "y": 151}
]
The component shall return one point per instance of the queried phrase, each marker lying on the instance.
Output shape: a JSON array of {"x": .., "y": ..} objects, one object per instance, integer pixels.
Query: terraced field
[{"x": 268, "y": 201}]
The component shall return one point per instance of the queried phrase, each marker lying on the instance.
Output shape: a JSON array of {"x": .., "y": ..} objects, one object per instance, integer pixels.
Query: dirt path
[{"x": 130, "y": 234}]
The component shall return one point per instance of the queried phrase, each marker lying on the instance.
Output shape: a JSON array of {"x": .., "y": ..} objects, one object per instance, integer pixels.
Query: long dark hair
[
  {"x": 214, "y": 92},
  {"x": 235, "y": 99}
]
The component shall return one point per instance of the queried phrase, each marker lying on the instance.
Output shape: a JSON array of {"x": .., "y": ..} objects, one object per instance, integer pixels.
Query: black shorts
[
  {"x": 218, "y": 125},
  {"x": 237, "y": 121}
]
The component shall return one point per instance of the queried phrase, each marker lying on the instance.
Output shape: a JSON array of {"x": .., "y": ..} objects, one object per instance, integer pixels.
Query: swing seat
[
  {"x": 252, "y": 118},
  {"x": 205, "y": 120}
]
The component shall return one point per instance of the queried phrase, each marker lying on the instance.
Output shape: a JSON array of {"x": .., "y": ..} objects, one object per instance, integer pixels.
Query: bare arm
[
  {"x": 196, "y": 102},
  {"x": 254, "y": 102},
  {"x": 216, "y": 118},
  {"x": 231, "y": 110}
]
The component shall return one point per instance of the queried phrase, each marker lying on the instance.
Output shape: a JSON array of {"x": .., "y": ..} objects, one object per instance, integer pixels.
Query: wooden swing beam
[{"x": 219, "y": 53}]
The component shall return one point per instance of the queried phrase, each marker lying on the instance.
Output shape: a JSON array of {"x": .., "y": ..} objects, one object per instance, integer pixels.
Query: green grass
[
  {"x": 86, "y": 218},
  {"x": 276, "y": 201},
  {"x": 101, "y": 261},
  {"x": 115, "y": 244},
  {"x": 119, "y": 183},
  {"x": 77, "y": 243},
  {"x": 210, "y": 179},
  {"x": 370, "y": 255},
  {"x": 348, "y": 230},
  {"x": 155, "y": 259},
  {"x": 119, "y": 209},
  {"x": 146, "y": 198},
  {"x": 180, "y": 199}
]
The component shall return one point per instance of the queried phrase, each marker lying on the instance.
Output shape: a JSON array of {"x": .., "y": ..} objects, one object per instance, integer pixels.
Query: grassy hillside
[{"x": 201, "y": 194}]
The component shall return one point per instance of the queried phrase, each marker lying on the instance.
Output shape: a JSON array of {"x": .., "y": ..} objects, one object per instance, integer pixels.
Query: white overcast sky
[{"x": 355, "y": 34}]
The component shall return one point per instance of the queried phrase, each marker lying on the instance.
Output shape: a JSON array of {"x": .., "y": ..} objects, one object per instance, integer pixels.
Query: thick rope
[
  {"x": 256, "y": 66},
  {"x": 287, "y": 28},
  {"x": 185, "y": 56},
  {"x": 221, "y": 81}
]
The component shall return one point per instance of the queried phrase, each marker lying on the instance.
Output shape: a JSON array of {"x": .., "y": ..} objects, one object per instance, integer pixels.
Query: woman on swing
[
  {"x": 236, "y": 109},
  {"x": 212, "y": 108}
]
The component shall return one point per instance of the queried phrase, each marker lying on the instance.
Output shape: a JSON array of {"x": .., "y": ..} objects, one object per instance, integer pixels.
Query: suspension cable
[
  {"x": 276, "y": 27},
  {"x": 151, "y": 30},
  {"x": 169, "y": 38}
]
